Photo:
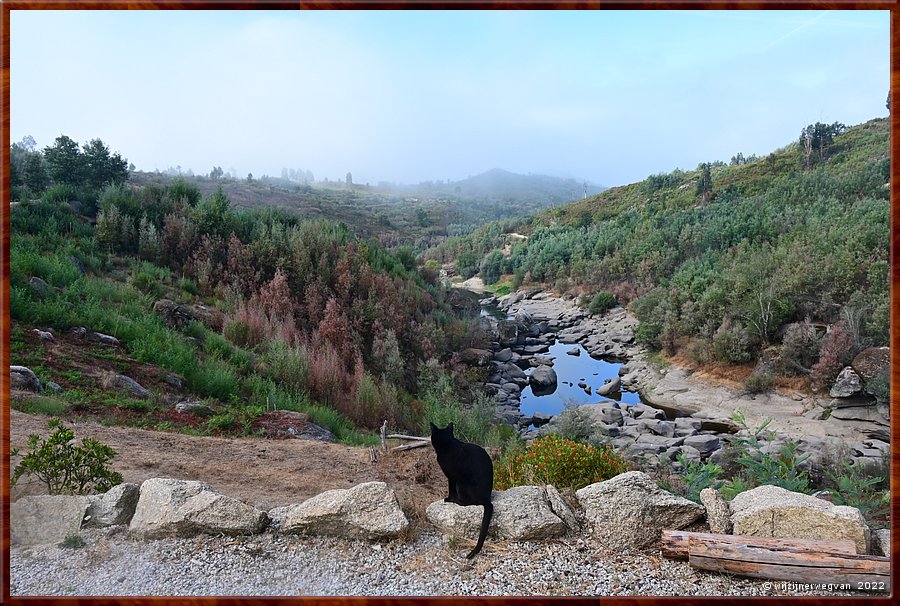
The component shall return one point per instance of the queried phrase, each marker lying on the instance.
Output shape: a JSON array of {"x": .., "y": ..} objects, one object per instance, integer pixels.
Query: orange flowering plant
[{"x": 560, "y": 462}]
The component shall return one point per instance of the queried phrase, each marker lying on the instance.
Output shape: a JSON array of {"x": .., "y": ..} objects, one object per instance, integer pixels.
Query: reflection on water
[{"x": 572, "y": 369}]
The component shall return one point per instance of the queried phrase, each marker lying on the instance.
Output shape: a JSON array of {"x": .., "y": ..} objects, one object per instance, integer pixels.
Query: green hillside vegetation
[
  {"x": 304, "y": 315},
  {"x": 420, "y": 215},
  {"x": 763, "y": 254}
]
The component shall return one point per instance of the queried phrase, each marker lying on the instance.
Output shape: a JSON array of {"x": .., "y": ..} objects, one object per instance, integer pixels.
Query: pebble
[{"x": 117, "y": 564}]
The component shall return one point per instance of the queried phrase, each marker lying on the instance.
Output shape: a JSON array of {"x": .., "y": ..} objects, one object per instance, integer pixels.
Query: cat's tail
[{"x": 485, "y": 524}]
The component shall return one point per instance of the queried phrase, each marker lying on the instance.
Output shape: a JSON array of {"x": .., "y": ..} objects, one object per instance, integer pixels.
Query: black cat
[{"x": 469, "y": 472}]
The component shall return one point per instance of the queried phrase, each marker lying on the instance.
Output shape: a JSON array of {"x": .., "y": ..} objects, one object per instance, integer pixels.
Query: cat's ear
[
  {"x": 450, "y": 427},
  {"x": 433, "y": 426}
]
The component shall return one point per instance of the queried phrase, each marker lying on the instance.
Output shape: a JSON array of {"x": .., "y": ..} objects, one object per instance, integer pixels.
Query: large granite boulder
[
  {"x": 366, "y": 511},
  {"x": 630, "y": 511},
  {"x": 847, "y": 384},
  {"x": 772, "y": 511},
  {"x": 543, "y": 380},
  {"x": 46, "y": 518},
  {"x": 184, "y": 508},
  {"x": 134, "y": 389},
  {"x": 521, "y": 513},
  {"x": 21, "y": 377},
  {"x": 115, "y": 506}
]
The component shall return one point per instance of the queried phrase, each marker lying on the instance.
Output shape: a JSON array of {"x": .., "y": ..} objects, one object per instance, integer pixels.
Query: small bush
[
  {"x": 800, "y": 348},
  {"x": 215, "y": 379},
  {"x": 731, "y": 346},
  {"x": 73, "y": 541},
  {"x": 560, "y": 462},
  {"x": 601, "y": 302},
  {"x": 694, "y": 476},
  {"x": 856, "y": 488},
  {"x": 759, "y": 382},
  {"x": 64, "y": 467},
  {"x": 148, "y": 284}
]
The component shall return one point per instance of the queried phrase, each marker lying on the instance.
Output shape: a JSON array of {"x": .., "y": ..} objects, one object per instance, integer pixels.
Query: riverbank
[{"x": 819, "y": 424}]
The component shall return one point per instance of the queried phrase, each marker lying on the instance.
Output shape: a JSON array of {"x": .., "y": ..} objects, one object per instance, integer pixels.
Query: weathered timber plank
[
  {"x": 675, "y": 543},
  {"x": 788, "y": 565}
]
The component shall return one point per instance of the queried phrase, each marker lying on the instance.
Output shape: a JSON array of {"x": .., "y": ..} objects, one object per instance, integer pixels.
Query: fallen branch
[
  {"x": 675, "y": 543},
  {"x": 409, "y": 446},
  {"x": 406, "y": 437}
]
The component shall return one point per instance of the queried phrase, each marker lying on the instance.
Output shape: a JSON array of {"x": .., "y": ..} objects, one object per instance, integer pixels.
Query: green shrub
[
  {"x": 560, "y": 462},
  {"x": 147, "y": 283},
  {"x": 214, "y": 378},
  {"x": 856, "y": 488},
  {"x": 694, "y": 476},
  {"x": 72, "y": 541},
  {"x": 758, "y": 382},
  {"x": 288, "y": 365},
  {"x": 731, "y": 346},
  {"x": 602, "y": 301},
  {"x": 64, "y": 467},
  {"x": 753, "y": 463}
]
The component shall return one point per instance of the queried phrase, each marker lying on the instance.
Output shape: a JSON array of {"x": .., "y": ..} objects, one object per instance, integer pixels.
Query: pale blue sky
[{"x": 406, "y": 96}]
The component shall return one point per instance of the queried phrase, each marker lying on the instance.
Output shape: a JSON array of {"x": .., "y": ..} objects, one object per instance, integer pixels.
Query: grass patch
[{"x": 41, "y": 405}]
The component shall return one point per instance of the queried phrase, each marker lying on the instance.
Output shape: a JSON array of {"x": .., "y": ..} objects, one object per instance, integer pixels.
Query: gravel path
[{"x": 112, "y": 562}]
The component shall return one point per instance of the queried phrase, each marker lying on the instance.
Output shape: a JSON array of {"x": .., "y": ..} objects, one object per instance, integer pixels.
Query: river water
[{"x": 570, "y": 370}]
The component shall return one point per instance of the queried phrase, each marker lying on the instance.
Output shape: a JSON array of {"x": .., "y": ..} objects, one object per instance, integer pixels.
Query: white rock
[
  {"x": 772, "y": 511},
  {"x": 46, "y": 518},
  {"x": 521, "y": 513},
  {"x": 367, "y": 511},
  {"x": 630, "y": 511},
  {"x": 181, "y": 508}
]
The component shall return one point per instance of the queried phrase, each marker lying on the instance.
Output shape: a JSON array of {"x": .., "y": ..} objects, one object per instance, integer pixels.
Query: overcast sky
[{"x": 407, "y": 96}]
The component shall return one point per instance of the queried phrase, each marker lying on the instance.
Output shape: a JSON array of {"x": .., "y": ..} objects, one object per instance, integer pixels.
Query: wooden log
[
  {"x": 859, "y": 572},
  {"x": 409, "y": 446},
  {"x": 383, "y": 432},
  {"x": 675, "y": 543}
]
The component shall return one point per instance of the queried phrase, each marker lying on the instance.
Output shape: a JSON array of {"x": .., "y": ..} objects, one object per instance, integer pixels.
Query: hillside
[
  {"x": 770, "y": 251},
  {"x": 422, "y": 215}
]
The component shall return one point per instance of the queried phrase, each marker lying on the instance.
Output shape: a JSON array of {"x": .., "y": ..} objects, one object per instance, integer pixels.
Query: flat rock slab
[
  {"x": 46, "y": 518},
  {"x": 521, "y": 513}
]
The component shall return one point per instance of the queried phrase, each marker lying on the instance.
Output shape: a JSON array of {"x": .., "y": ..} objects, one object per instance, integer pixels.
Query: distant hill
[{"x": 503, "y": 185}]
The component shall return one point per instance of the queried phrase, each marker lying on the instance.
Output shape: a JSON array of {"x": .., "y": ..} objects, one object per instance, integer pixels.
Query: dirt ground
[{"x": 263, "y": 472}]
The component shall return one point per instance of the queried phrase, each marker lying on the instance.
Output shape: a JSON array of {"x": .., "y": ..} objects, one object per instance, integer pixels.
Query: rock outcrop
[{"x": 21, "y": 377}]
